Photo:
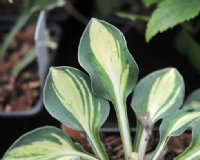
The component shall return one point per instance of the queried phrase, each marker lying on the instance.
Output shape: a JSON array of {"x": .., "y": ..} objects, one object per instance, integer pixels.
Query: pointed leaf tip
[
  {"x": 68, "y": 97},
  {"x": 103, "y": 50},
  {"x": 158, "y": 94}
]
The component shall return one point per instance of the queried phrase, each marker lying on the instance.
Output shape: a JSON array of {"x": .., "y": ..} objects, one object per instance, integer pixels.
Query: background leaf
[
  {"x": 45, "y": 4},
  {"x": 69, "y": 98},
  {"x": 150, "y": 2},
  {"x": 193, "y": 100},
  {"x": 106, "y": 7},
  {"x": 157, "y": 95},
  {"x": 174, "y": 125},
  {"x": 170, "y": 13},
  {"x": 187, "y": 46},
  {"x": 45, "y": 143}
]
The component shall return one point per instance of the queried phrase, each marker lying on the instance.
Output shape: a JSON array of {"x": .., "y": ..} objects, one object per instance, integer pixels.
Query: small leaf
[
  {"x": 174, "y": 125},
  {"x": 45, "y": 143},
  {"x": 157, "y": 95},
  {"x": 170, "y": 13},
  {"x": 69, "y": 98},
  {"x": 193, "y": 100},
  {"x": 193, "y": 151}
]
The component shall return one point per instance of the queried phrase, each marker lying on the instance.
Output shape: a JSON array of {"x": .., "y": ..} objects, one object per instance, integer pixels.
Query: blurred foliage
[{"x": 187, "y": 46}]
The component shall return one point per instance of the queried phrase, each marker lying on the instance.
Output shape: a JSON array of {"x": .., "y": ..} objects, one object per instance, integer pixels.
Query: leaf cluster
[{"x": 81, "y": 102}]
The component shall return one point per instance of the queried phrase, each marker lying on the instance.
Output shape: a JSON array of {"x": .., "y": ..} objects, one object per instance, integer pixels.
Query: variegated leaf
[
  {"x": 158, "y": 95},
  {"x": 44, "y": 144},
  {"x": 174, "y": 125},
  {"x": 193, "y": 101},
  {"x": 193, "y": 152},
  {"x": 104, "y": 55},
  {"x": 68, "y": 98}
]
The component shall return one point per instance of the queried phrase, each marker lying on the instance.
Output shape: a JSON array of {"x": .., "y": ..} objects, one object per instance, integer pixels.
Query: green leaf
[
  {"x": 193, "y": 100},
  {"x": 10, "y": 1},
  {"x": 132, "y": 17},
  {"x": 106, "y": 7},
  {"x": 193, "y": 151},
  {"x": 158, "y": 95},
  {"x": 45, "y": 4},
  {"x": 45, "y": 143},
  {"x": 170, "y": 13},
  {"x": 174, "y": 125},
  {"x": 104, "y": 55},
  {"x": 187, "y": 46},
  {"x": 150, "y": 2},
  {"x": 69, "y": 98}
]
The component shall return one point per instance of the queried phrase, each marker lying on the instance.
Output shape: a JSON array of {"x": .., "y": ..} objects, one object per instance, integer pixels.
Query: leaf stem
[
  {"x": 141, "y": 141},
  {"x": 122, "y": 118},
  {"x": 97, "y": 145},
  {"x": 87, "y": 156},
  {"x": 159, "y": 148}
]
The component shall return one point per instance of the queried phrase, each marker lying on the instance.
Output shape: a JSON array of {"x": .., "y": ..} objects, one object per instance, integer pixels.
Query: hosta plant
[{"x": 81, "y": 102}]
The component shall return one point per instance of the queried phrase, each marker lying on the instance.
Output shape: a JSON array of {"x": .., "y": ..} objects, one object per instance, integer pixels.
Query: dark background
[{"x": 157, "y": 54}]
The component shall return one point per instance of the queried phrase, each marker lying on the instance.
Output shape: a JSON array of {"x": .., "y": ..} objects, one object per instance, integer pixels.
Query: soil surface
[
  {"x": 113, "y": 145},
  {"x": 21, "y": 91}
]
